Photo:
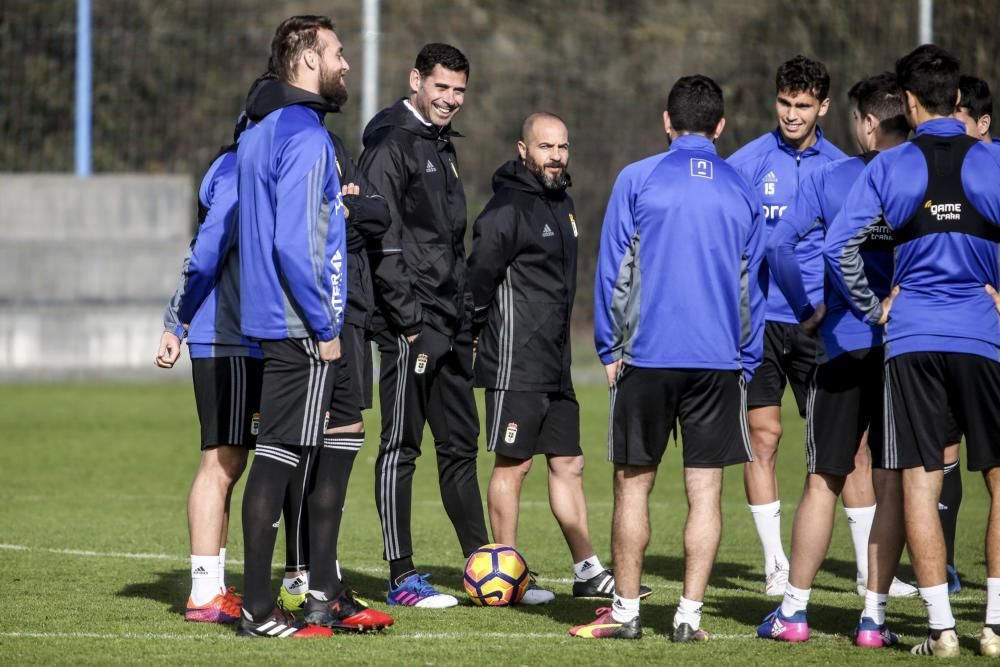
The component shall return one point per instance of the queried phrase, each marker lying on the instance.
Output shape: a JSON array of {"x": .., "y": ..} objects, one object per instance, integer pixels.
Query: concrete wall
[{"x": 86, "y": 268}]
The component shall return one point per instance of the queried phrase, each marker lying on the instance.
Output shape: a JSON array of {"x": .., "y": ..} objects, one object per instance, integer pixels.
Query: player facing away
[
  {"x": 975, "y": 110},
  {"x": 292, "y": 252},
  {"x": 421, "y": 324},
  {"x": 774, "y": 164},
  {"x": 678, "y": 324},
  {"x": 522, "y": 275},
  {"x": 938, "y": 194},
  {"x": 367, "y": 217},
  {"x": 845, "y": 394},
  {"x": 226, "y": 370}
]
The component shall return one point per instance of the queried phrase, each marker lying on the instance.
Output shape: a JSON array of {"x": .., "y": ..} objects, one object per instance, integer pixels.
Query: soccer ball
[{"x": 496, "y": 575}]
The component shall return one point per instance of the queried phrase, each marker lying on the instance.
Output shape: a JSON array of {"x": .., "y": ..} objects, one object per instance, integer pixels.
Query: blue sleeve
[
  {"x": 786, "y": 234},
  {"x": 309, "y": 230},
  {"x": 752, "y": 301},
  {"x": 861, "y": 213},
  {"x": 216, "y": 235},
  {"x": 612, "y": 279}
]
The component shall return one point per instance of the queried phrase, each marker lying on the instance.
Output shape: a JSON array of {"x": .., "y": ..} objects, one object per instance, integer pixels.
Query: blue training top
[
  {"x": 946, "y": 232},
  {"x": 676, "y": 280},
  {"x": 774, "y": 170},
  {"x": 208, "y": 294}
]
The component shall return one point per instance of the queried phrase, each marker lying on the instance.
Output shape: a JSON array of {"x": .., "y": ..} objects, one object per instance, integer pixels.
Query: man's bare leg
[
  {"x": 921, "y": 491},
  {"x": 761, "y": 485},
  {"x": 568, "y": 503},
  {"x": 630, "y": 535},
  {"x": 504, "y": 497}
]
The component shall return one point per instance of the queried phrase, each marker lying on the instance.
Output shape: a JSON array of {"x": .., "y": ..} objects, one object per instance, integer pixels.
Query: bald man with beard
[{"x": 522, "y": 272}]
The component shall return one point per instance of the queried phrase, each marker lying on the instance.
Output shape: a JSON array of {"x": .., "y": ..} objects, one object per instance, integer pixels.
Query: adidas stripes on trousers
[{"x": 427, "y": 381}]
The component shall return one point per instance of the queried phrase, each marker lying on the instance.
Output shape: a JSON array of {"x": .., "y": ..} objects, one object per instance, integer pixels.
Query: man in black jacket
[
  {"x": 522, "y": 274},
  {"x": 420, "y": 323}
]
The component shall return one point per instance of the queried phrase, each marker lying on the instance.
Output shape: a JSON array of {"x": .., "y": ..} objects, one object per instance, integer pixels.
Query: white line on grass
[{"x": 670, "y": 586}]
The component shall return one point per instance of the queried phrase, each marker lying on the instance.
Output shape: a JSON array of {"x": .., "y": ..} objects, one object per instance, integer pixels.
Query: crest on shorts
[
  {"x": 255, "y": 424},
  {"x": 572, "y": 221},
  {"x": 421, "y": 364},
  {"x": 511, "y": 435}
]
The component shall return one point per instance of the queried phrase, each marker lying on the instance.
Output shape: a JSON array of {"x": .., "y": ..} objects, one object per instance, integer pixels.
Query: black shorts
[
  {"x": 524, "y": 423},
  {"x": 710, "y": 405},
  {"x": 295, "y": 393},
  {"x": 845, "y": 400},
  {"x": 789, "y": 357},
  {"x": 953, "y": 433},
  {"x": 922, "y": 387},
  {"x": 227, "y": 393},
  {"x": 352, "y": 392}
]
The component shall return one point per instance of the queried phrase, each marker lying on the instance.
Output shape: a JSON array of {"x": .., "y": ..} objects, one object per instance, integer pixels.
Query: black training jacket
[
  {"x": 419, "y": 264},
  {"x": 522, "y": 274},
  {"x": 368, "y": 213}
]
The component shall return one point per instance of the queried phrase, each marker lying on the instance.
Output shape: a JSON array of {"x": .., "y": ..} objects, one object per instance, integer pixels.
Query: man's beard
[
  {"x": 331, "y": 87},
  {"x": 549, "y": 182}
]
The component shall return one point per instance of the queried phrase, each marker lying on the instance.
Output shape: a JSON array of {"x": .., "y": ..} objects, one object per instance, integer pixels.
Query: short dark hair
[
  {"x": 445, "y": 55},
  {"x": 802, "y": 75},
  {"x": 695, "y": 104},
  {"x": 976, "y": 98},
  {"x": 293, "y": 36},
  {"x": 932, "y": 75},
  {"x": 881, "y": 96}
]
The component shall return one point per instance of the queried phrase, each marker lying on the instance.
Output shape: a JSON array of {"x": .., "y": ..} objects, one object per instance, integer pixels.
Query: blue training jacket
[
  {"x": 208, "y": 294},
  {"x": 292, "y": 238},
  {"x": 774, "y": 170},
  {"x": 676, "y": 282},
  {"x": 821, "y": 197},
  {"x": 942, "y": 306}
]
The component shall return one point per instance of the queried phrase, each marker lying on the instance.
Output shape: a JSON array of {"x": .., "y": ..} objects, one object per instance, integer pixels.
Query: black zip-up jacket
[
  {"x": 522, "y": 274},
  {"x": 368, "y": 213},
  {"x": 419, "y": 265}
]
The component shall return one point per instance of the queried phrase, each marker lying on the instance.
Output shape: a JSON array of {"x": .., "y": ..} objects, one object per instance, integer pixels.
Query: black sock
[
  {"x": 327, "y": 492},
  {"x": 400, "y": 569},
  {"x": 951, "y": 500},
  {"x": 272, "y": 467},
  {"x": 296, "y": 515}
]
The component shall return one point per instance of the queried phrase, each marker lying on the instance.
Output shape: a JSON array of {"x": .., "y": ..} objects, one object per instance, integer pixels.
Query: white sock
[
  {"x": 992, "y": 601},
  {"x": 860, "y": 521},
  {"x": 767, "y": 518},
  {"x": 204, "y": 579},
  {"x": 688, "y": 611},
  {"x": 624, "y": 610},
  {"x": 875, "y": 606},
  {"x": 297, "y": 584},
  {"x": 795, "y": 600},
  {"x": 587, "y": 568},
  {"x": 939, "y": 615},
  {"x": 222, "y": 568}
]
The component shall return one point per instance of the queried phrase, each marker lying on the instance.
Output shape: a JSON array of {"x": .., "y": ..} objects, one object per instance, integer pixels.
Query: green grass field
[{"x": 93, "y": 483}]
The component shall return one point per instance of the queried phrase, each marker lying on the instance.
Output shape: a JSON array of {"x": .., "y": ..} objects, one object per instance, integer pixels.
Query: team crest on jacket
[
  {"x": 511, "y": 435},
  {"x": 255, "y": 424},
  {"x": 421, "y": 364},
  {"x": 572, "y": 222}
]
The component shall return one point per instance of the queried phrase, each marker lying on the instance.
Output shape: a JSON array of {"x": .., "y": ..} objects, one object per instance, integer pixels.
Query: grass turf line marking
[{"x": 671, "y": 586}]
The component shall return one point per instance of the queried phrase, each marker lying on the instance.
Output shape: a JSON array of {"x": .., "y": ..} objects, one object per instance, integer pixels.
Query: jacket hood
[
  {"x": 398, "y": 115},
  {"x": 513, "y": 174},
  {"x": 267, "y": 95}
]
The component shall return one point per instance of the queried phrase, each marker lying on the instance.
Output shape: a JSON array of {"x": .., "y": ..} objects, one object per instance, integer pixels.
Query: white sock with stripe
[
  {"x": 767, "y": 519},
  {"x": 939, "y": 616},
  {"x": 204, "y": 579},
  {"x": 624, "y": 610},
  {"x": 587, "y": 568},
  {"x": 860, "y": 521},
  {"x": 688, "y": 611}
]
